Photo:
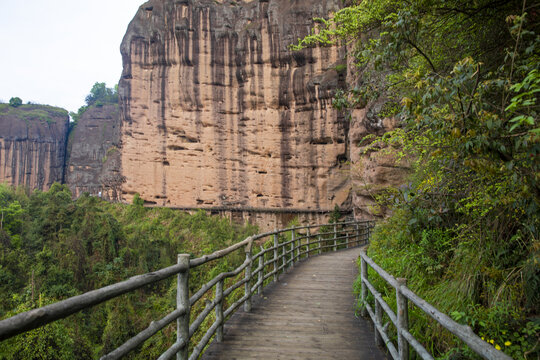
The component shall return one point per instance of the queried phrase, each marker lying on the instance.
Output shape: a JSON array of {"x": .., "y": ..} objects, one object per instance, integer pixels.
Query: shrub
[{"x": 15, "y": 101}]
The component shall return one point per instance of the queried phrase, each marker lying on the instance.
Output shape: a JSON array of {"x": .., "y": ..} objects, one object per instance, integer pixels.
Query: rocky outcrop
[
  {"x": 32, "y": 145},
  {"x": 93, "y": 164},
  {"x": 375, "y": 167},
  {"x": 217, "y": 111}
]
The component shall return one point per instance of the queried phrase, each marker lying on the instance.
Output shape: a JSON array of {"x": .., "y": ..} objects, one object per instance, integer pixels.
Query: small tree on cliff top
[
  {"x": 15, "y": 101},
  {"x": 100, "y": 93}
]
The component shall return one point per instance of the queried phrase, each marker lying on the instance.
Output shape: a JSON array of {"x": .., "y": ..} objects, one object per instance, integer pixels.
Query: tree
[
  {"x": 15, "y": 101},
  {"x": 463, "y": 79},
  {"x": 101, "y": 94}
]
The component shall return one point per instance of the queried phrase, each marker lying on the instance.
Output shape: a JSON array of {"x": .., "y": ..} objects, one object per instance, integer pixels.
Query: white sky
[{"x": 53, "y": 51}]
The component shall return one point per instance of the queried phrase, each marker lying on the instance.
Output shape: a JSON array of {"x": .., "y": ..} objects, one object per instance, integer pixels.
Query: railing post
[
  {"x": 378, "y": 321},
  {"x": 320, "y": 244},
  {"x": 247, "y": 285},
  {"x": 357, "y": 234},
  {"x": 260, "y": 273},
  {"x": 363, "y": 291},
  {"x": 335, "y": 237},
  {"x": 298, "y": 245},
  {"x": 276, "y": 266},
  {"x": 219, "y": 311},
  {"x": 182, "y": 302},
  {"x": 284, "y": 257},
  {"x": 347, "y": 240},
  {"x": 308, "y": 234},
  {"x": 293, "y": 242},
  {"x": 402, "y": 320}
]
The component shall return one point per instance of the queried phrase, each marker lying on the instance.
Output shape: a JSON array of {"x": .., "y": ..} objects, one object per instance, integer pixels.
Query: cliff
[
  {"x": 32, "y": 145},
  {"x": 93, "y": 163},
  {"x": 217, "y": 111}
]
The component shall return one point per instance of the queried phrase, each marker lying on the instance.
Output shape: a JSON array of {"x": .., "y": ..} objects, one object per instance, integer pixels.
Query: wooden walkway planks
[{"x": 308, "y": 314}]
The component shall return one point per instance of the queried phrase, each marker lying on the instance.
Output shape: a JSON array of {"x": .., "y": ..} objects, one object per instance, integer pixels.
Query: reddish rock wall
[
  {"x": 216, "y": 111},
  {"x": 93, "y": 163},
  {"x": 32, "y": 145}
]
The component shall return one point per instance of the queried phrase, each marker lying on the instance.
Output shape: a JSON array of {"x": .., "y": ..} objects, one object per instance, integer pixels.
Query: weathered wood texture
[{"x": 308, "y": 314}]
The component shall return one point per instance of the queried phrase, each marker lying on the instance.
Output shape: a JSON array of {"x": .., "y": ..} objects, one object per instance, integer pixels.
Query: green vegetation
[
  {"x": 32, "y": 112},
  {"x": 53, "y": 247},
  {"x": 15, "y": 102},
  {"x": 463, "y": 78},
  {"x": 99, "y": 95}
]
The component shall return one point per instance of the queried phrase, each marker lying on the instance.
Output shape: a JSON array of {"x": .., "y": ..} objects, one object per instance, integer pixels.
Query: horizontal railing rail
[
  {"x": 400, "y": 318},
  {"x": 260, "y": 267}
]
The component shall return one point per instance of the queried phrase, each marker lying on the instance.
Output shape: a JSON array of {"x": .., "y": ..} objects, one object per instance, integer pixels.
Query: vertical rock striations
[
  {"x": 216, "y": 111},
  {"x": 32, "y": 145},
  {"x": 93, "y": 164}
]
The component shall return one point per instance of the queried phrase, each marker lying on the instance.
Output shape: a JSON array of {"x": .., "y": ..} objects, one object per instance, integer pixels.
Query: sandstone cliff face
[
  {"x": 216, "y": 111},
  {"x": 93, "y": 164},
  {"x": 32, "y": 145}
]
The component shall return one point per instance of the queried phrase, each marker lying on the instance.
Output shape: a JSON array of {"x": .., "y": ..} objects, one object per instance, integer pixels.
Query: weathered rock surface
[
  {"x": 374, "y": 169},
  {"x": 93, "y": 163},
  {"x": 32, "y": 145},
  {"x": 217, "y": 111}
]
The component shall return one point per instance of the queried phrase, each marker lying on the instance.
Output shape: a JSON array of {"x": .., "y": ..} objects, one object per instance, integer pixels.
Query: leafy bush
[
  {"x": 15, "y": 101},
  {"x": 464, "y": 227}
]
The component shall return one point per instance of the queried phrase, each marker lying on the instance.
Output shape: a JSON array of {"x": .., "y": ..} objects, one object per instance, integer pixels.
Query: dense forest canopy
[
  {"x": 463, "y": 78},
  {"x": 52, "y": 248}
]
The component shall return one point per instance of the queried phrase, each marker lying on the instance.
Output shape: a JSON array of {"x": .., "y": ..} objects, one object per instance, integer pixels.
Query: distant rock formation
[
  {"x": 217, "y": 111},
  {"x": 93, "y": 163},
  {"x": 32, "y": 145}
]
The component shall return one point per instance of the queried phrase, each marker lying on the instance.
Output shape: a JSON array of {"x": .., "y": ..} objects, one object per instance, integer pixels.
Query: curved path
[{"x": 308, "y": 314}]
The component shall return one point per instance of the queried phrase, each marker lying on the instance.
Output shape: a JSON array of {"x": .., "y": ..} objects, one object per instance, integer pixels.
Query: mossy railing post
[
  {"x": 276, "y": 265},
  {"x": 402, "y": 320},
  {"x": 182, "y": 301},
  {"x": 363, "y": 291},
  {"x": 219, "y": 310},
  {"x": 357, "y": 235},
  {"x": 260, "y": 274},
  {"x": 308, "y": 235},
  {"x": 335, "y": 237},
  {"x": 247, "y": 279}
]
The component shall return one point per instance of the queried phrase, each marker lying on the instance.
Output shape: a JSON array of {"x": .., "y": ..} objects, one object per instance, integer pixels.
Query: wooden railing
[
  {"x": 261, "y": 266},
  {"x": 400, "y": 319}
]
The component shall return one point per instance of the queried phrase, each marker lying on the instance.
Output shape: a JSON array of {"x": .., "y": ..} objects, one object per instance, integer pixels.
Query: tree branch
[{"x": 423, "y": 54}]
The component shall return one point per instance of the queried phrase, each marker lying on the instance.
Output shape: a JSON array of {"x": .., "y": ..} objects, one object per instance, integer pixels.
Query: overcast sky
[{"x": 53, "y": 51}]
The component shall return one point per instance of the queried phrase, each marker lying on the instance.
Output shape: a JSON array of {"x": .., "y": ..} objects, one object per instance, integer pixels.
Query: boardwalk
[{"x": 308, "y": 314}]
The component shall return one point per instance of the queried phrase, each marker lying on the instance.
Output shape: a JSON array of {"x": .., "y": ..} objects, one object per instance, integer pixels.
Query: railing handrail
[
  {"x": 38, "y": 317},
  {"x": 400, "y": 320},
  {"x": 41, "y": 316}
]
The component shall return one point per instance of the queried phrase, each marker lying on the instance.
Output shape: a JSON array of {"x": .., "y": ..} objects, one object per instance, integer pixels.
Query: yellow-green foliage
[{"x": 463, "y": 78}]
